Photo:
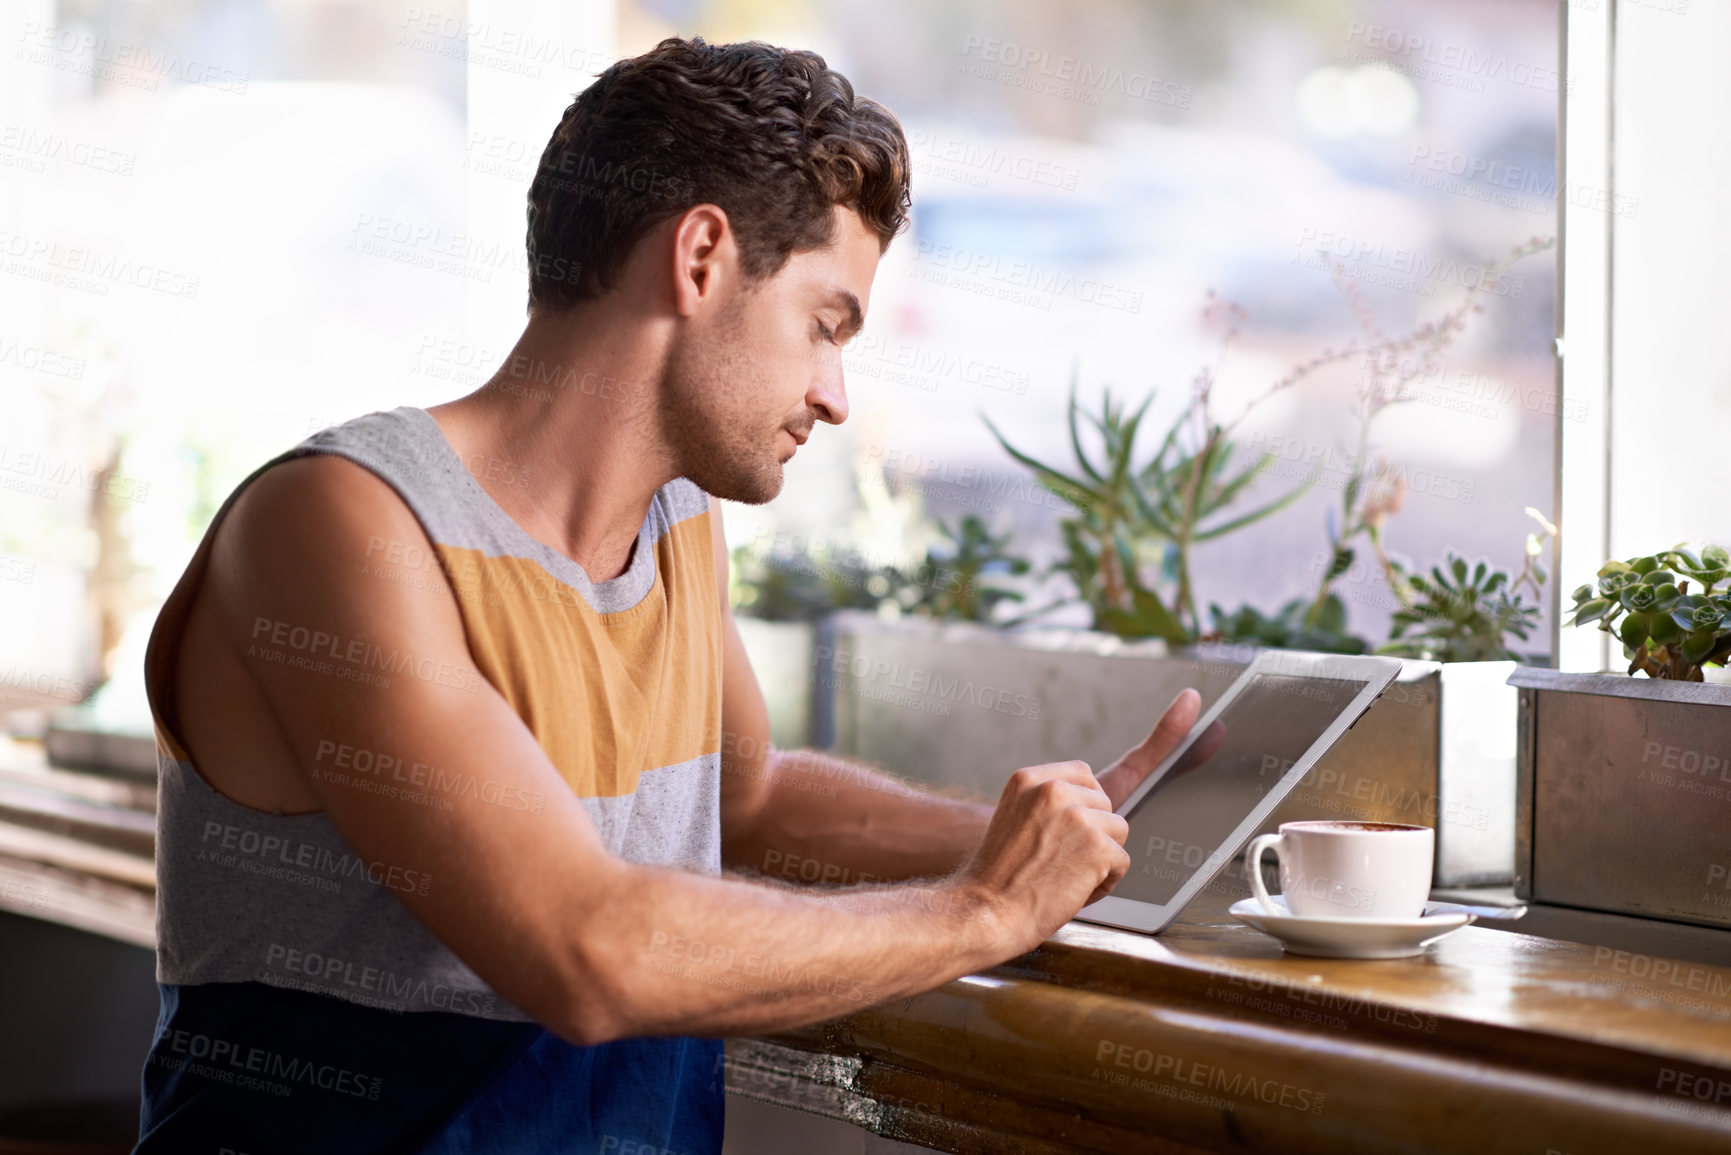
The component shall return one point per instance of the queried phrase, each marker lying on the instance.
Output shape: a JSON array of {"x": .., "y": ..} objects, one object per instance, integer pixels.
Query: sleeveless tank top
[{"x": 305, "y": 1008}]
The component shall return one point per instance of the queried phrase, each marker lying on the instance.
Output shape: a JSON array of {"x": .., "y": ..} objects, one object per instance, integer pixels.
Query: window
[{"x": 229, "y": 225}]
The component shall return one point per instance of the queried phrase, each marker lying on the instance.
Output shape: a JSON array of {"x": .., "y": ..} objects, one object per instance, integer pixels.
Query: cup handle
[{"x": 1253, "y": 865}]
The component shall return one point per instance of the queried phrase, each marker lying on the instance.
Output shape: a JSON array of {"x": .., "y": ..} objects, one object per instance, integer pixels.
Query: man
[{"x": 458, "y": 732}]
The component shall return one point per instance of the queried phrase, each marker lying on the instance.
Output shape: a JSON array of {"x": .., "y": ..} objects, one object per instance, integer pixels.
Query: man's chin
[{"x": 748, "y": 487}]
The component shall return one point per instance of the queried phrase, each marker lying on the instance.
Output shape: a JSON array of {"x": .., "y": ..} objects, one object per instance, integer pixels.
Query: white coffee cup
[{"x": 1339, "y": 868}]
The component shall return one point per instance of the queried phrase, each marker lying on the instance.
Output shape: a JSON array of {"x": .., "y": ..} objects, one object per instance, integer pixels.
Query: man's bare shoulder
[
  {"x": 319, "y": 487},
  {"x": 302, "y": 538},
  {"x": 286, "y": 572}
]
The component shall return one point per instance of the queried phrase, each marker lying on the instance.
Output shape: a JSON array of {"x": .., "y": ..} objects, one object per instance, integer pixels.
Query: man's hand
[
  {"x": 1054, "y": 844},
  {"x": 1121, "y": 778},
  {"x": 1052, "y": 847}
]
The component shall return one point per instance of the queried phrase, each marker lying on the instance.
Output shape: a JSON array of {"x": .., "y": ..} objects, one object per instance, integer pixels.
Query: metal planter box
[
  {"x": 963, "y": 706},
  {"x": 1624, "y": 795}
]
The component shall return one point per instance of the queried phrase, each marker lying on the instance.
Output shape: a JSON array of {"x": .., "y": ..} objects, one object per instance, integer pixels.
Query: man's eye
[{"x": 828, "y": 333}]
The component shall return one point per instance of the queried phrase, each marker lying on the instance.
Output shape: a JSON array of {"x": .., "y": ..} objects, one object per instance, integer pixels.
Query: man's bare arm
[
  {"x": 829, "y": 819},
  {"x": 593, "y": 947}
]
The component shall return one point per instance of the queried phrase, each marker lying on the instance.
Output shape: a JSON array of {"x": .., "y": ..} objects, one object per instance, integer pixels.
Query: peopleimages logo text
[
  {"x": 310, "y": 646},
  {"x": 222, "y": 1053},
  {"x": 832, "y": 661},
  {"x": 307, "y": 856},
  {"x": 1084, "y": 74},
  {"x": 1021, "y": 275},
  {"x": 1329, "y": 246},
  {"x": 1464, "y": 59}
]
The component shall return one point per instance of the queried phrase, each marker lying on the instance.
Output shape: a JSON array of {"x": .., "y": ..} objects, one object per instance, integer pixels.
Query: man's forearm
[
  {"x": 825, "y": 819},
  {"x": 676, "y": 952},
  {"x": 655, "y": 951}
]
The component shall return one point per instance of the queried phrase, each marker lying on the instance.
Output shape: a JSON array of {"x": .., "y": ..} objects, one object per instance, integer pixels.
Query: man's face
[{"x": 745, "y": 388}]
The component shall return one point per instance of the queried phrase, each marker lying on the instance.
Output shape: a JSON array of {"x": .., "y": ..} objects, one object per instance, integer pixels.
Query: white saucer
[{"x": 1353, "y": 937}]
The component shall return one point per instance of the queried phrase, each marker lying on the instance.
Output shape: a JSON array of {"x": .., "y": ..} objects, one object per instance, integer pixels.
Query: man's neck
[{"x": 566, "y": 435}]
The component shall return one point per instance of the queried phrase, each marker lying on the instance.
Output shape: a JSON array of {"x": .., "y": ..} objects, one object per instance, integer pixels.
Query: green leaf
[
  {"x": 1663, "y": 630},
  {"x": 1157, "y": 466},
  {"x": 1045, "y": 471},
  {"x": 1126, "y": 554},
  {"x": 1698, "y": 645},
  {"x": 1638, "y": 598},
  {"x": 1254, "y": 516},
  {"x": 1135, "y": 423},
  {"x": 1644, "y": 565},
  {"x": 1150, "y": 514},
  {"x": 1220, "y": 458},
  {"x": 1150, "y": 618},
  {"x": 1229, "y": 491},
  {"x": 1332, "y": 619},
  {"x": 1122, "y": 452},
  {"x": 1590, "y": 611},
  {"x": 1659, "y": 577},
  {"x": 1695, "y": 612},
  {"x": 1194, "y": 484},
  {"x": 1075, "y": 434},
  {"x": 1634, "y": 630},
  {"x": 1617, "y": 580},
  {"x": 1612, "y": 567},
  {"x": 1717, "y": 557}
]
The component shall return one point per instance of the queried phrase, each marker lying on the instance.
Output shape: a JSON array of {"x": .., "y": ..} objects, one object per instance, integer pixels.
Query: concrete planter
[
  {"x": 962, "y": 706},
  {"x": 1624, "y": 795},
  {"x": 781, "y": 656}
]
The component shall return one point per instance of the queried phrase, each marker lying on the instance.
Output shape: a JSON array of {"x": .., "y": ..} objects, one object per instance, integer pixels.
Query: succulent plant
[
  {"x": 962, "y": 575},
  {"x": 1460, "y": 613},
  {"x": 1666, "y": 631},
  {"x": 1463, "y": 612}
]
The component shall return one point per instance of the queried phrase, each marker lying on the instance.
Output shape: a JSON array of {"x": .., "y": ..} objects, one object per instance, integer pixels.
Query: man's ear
[{"x": 705, "y": 256}]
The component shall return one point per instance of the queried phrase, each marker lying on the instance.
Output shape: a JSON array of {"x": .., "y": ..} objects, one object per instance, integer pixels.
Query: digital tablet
[{"x": 1247, "y": 751}]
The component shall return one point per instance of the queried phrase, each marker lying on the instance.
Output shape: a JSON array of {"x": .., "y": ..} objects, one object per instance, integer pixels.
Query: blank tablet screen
[{"x": 1222, "y": 775}]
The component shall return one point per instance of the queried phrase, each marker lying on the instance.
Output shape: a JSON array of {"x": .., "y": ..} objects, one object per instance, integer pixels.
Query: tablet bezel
[{"x": 1375, "y": 672}]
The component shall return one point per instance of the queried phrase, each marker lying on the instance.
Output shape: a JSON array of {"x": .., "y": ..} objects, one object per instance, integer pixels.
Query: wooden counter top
[
  {"x": 1205, "y": 1038},
  {"x": 1210, "y": 1037}
]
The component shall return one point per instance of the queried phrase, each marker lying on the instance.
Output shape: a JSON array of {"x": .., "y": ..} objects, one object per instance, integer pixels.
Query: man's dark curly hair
[{"x": 775, "y": 137}]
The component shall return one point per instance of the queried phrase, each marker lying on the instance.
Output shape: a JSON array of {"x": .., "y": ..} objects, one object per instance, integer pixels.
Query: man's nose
[{"x": 828, "y": 397}]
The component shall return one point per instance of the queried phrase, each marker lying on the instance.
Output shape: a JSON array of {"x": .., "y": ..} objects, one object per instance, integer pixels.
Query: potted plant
[{"x": 1625, "y": 779}]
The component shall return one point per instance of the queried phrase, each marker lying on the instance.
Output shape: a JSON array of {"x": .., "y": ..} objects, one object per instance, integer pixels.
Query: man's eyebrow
[{"x": 844, "y": 298}]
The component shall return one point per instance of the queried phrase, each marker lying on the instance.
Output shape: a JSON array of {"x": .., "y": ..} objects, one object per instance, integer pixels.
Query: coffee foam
[{"x": 1327, "y": 826}]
